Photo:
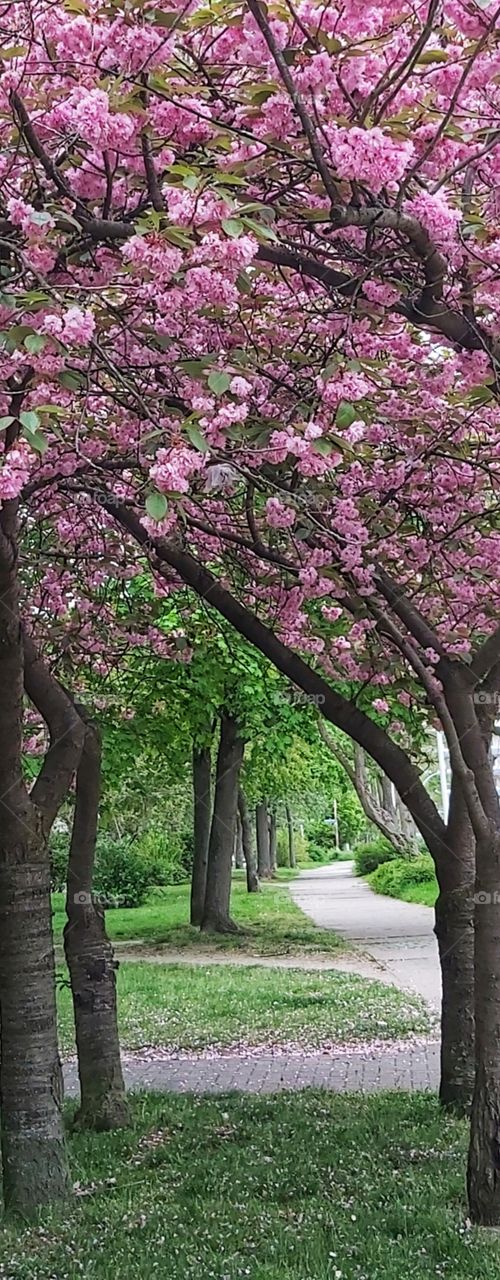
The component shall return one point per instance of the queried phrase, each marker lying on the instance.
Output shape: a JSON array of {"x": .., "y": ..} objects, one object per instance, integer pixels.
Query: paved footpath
[
  {"x": 398, "y": 936},
  {"x": 398, "y": 944},
  {"x": 362, "y": 1071}
]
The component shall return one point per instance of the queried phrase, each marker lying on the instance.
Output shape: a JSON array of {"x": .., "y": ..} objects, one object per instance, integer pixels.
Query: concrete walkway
[{"x": 397, "y": 936}]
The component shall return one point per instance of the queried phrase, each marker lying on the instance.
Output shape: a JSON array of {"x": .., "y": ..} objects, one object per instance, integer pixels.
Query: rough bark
[
  {"x": 273, "y": 843},
  {"x": 90, "y": 960},
  {"x": 454, "y": 928},
  {"x": 248, "y": 844},
  {"x": 239, "y": 857},
  {"x": 483, "y": 1175},
  {"x": 75, "y": 743},
  {"x": 263, "y": 842},
  {"x": 34, "y": 1162},
  {"x": 291, "y": 846},
  {"x": 216, "y": 917},
  {"x": 201, "y": 829}
]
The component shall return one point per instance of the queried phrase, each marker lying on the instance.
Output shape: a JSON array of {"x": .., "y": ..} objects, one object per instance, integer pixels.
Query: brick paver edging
[{"x": 405, "y": 1068}]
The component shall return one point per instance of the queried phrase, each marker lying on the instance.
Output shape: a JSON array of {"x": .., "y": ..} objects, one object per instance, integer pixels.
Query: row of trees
[{"x": 250, "y": 279}]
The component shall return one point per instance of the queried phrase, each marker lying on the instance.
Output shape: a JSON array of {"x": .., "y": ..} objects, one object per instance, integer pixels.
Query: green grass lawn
[
  {"x": 410, "y": 880},
  {"x": 185, "y": 1007},
  {"x": 425, "y": 894},
  {"x": 311, "y": 1186},
  {"x": 277, "y": 926}
]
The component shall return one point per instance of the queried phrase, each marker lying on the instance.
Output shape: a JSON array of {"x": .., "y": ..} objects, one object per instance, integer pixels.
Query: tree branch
[{"x": 66, "y": 733}]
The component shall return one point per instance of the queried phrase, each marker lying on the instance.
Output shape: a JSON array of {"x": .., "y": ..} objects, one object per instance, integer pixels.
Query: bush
[
  {"x": 125, "y": 870},
  {"x": 394, "y": 877},
  {"x": 367, "y": 857},
  {"x": 321, "y": 835},
  {"x": 317, "y": 853},
  {"x": 58, "y": 853}
]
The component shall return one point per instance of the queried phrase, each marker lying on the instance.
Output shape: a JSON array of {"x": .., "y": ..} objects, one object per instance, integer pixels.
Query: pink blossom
[
  {"x": 369, "y": 155},
  {"x": 380, "y": 704},
  {"x": 174, "y": 468},
  {"x": 278, "y": 515}
]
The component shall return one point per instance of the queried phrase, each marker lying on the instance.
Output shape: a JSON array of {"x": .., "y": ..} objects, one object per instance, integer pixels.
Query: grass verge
[
  {"x": 410, "y": 879},
  {"x": 310, "y": 1186},
  {"x": 189, "y": 1007},
  {"x": 276, "y": 925}
]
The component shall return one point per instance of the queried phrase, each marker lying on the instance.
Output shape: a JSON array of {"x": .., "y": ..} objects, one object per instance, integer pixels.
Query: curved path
[
  {"x": 393, "y": 942},
  {"x": 398, "y": 936}
]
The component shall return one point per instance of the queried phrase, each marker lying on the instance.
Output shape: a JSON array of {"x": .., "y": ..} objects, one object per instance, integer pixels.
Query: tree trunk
[
  {"x": 202, "y": 819},
  {"x": 248, "y": 845},
  {"x": 291, "y": 847},
  {"x": 484, "y": 1151},
  {"x": 216, "y": 917},
  {"x": 89, "y": 956},
  {"x": 454, "y": 928},
  {"x": 34, "y": 1162},
  {"x": 273, "y": 843},
  {"x": 239, "y": 857},
  {"x": 263, "y": 843},
  {"x": 383, "y": 815}
]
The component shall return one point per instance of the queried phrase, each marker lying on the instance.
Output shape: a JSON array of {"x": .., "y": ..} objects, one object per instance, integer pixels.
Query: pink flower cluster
[
  {"x": 15, "y": 471},
  {"x": 369, "y": 156},
  {"x": 74, "y": 326},
  {"x": 173, "y": 469},
  {"x": 278, "y": 515}
]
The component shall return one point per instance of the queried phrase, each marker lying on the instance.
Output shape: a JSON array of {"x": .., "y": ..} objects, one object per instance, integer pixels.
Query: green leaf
[
  {"x": 56, "y": 409},
  {"x": 156, "y": 505},
  {"x": 71, "y": 379},
  {"x": 346, "y": 414},
  {"x": 219, "y": 381},
  {"x": 322, "y": 446},
  {"x": 36, "y": 439},
  {"x": 261, "y": 230},
  {"x": 15, "y": 51},
  {"x": 432, "y": 55},
  {"x": 197, "y": 438},
  {"x": 232, "y": 227},
  {"x": 177, "y": 235},
  {"x": 191, "y": 181},
  {"x": 160, "y": 19},
  {"x": 193, "y": 368},
  {"x": 29, "y": 419},
  {"x": 243, "y": 283},
  {"x": 34, "y": 343},
  {"x": 6, "y": 422}
]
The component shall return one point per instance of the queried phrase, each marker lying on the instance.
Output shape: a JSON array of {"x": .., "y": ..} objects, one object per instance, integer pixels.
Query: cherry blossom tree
[{"x": 250, "y": 281}]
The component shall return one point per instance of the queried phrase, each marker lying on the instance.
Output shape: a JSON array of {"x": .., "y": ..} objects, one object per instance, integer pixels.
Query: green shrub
[
  {"x": 394, "y": 877},
  {"x": 321, "y": 835},
  {"x": 317, "y": 853},
  {"x": 58, "y": 853},
  {"x": 367, "y": 857},
  {"x": 126, "y": 869}
]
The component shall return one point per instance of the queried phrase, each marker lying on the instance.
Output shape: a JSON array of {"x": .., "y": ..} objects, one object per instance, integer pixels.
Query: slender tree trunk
[
  {"x": 263, "y": 843},
  {"x": 291, "y": 847},
  {"x": 34, "y": 1162},
  {"x": 273, "y": 842},
  {"x": 454, "y": 928},
  {"x": 216, "y": 917},
  {"x": 484, "y": 1151},
  {"x": 239, "y": 857},
  {"x": 89, "y": 956},
  {"x": 202, "y": 819},
  {"x": 248, "y": 844}
]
